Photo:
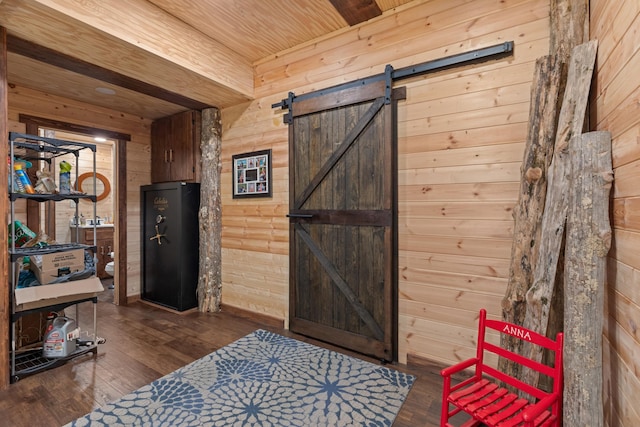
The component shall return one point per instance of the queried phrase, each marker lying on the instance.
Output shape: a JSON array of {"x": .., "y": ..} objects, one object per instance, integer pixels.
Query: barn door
[{"x": 342, "y": 203}]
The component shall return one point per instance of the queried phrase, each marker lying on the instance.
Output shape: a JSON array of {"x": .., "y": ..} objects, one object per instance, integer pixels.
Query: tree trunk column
[{"x": 210, "y": 214}]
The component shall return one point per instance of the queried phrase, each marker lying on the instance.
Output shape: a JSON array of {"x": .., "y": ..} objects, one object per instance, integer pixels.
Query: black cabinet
[{"x": 170, "y": 244}]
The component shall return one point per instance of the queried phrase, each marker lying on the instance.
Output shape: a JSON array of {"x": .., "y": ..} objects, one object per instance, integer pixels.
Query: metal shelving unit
[{"x": 37, "y": 149}]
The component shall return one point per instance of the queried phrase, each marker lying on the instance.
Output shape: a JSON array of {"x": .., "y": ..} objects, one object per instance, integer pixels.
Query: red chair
[{"x": 484, "y": 397}]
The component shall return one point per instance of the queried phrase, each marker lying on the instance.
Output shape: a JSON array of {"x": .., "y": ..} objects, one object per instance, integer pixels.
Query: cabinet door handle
[
  {"x": 108, "y": 249},
  {"x": 101, "y": 250},
  {"x": 171, "y": 154},
  {"x": 165, "y": 156}
]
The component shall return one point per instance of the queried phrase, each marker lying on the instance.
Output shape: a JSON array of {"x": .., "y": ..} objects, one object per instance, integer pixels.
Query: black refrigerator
[{"x": 170, "y": 244}]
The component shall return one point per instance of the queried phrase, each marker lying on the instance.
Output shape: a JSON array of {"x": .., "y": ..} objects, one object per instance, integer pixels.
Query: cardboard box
[
  {"x": 49, "y": 267},
  {"x": 57, "y": 293}
]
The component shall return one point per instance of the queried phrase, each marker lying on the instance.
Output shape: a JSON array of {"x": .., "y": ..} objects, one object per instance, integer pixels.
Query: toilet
[{"x": 109, "y": 268}]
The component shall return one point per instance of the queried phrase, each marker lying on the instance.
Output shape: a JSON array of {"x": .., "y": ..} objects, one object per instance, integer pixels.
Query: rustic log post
[
  {"x": 588, "y": 242},
  {"x": 569, "y": 26},
  {"x": 210, "y": 214},
  {"x": 570, "y": 123},
  {"x": 546, "y": 96}
]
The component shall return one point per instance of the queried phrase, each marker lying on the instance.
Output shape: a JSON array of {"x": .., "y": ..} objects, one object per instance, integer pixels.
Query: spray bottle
[
  {"x": 15, "y": 186},
  {"x": 65, "y": 177},
  {"x": 23, "y": 179}
]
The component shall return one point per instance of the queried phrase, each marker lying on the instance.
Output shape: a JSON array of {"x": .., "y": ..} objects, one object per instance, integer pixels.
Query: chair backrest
[{"x": 527, "y": 336}]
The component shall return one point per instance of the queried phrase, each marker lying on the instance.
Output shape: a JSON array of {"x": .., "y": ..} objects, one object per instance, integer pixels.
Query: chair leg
[
  {"x": 444, "y": 418},
  {"x": 444, "y": 415}
]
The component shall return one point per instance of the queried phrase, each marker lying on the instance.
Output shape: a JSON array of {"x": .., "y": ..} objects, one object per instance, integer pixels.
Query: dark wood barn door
[{"x": 343, "y": 171}]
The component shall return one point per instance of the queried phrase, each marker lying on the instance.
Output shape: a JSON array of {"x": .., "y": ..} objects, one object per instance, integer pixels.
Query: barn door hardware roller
[{"x": 466, "y": 58}]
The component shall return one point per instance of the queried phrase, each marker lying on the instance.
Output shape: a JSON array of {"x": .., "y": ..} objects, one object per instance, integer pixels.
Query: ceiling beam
[
  {"x": 149, "y": 29},
  {"x": 357, "y": 11},
  {"x": 49, "y": 56}
]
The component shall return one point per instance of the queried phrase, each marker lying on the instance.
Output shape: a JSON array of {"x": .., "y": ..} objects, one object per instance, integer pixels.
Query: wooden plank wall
[
  {"x": 615, "y": 108},
  {"x": 34, "y": 103},
  {"x": 461, "y": 139}
]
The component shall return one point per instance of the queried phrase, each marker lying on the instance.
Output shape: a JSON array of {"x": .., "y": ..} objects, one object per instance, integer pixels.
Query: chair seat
[{"x": 494, "y": 405}]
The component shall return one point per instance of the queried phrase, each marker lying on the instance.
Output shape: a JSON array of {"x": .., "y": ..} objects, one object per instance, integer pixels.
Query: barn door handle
[{"x": 299, "y": 216}]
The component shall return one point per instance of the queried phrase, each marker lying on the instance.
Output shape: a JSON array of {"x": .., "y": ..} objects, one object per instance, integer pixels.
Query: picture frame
[{"x": 252, "y": 174}]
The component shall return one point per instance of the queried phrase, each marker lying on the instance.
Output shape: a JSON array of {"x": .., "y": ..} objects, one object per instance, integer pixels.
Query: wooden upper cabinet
[{"x": 175, "y": 148}]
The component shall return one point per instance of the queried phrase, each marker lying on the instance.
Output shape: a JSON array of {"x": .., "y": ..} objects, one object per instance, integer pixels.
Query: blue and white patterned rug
[{"x": 264, "y": 379}]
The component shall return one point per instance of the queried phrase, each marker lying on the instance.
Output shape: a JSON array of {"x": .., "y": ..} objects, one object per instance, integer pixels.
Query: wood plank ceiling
[{"x": 162, "y": 56}]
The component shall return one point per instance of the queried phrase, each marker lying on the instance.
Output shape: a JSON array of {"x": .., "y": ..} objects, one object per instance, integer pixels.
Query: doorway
[
  {"x": 75, "y": 221},
  {"x": 111, "y": 164}
]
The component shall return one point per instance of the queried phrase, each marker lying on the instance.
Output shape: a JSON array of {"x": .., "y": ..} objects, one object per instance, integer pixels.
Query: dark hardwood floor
[{"x": 144, "y": 343}]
